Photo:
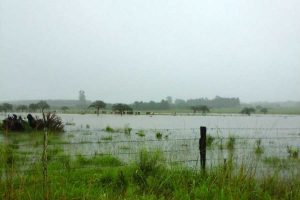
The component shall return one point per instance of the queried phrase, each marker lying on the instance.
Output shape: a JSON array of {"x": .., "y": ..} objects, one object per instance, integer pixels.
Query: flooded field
[{"x": 235, "y": 137}]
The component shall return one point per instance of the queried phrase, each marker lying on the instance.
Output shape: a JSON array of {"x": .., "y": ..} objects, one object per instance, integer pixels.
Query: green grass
[
  {"x": 109, "y": 129},
  {"x": 106, "y": 177},
  {"x": 230, "y": 143},
  {"x": 259, "y": 149},
  {"x": 141, "y": 133},
  {"x": 107, "y": 138}
]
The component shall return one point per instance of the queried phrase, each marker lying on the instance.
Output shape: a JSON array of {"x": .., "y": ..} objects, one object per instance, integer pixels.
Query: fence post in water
[
  {"x": 202, "y": 146},
  {"x": 45, "y": 166}
]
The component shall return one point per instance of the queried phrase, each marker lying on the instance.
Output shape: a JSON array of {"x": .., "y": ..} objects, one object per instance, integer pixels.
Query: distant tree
[
  {"x": 98, "y": 105},
  {"x": 264, "y": 110},
  {"x": 180, "y": 102},
  {"x": 201, "y": 108},
  {"x": 121, "y": 108},
  {"x": 22, "y": 108},
  {"x": 64, "y": 108},
  {"x": 7, "y": 107},
  {"x": 33, "y": 107},
  {"x": 42, "y": 105},
  {"x": 258, "y": 107},
  {"x": 247, "y": 111}
]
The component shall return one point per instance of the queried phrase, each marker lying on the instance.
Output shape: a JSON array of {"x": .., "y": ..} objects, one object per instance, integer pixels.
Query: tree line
[{"x": 33, "y": 107}]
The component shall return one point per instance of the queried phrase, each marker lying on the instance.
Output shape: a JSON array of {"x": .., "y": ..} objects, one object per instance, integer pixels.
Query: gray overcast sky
[{"x": 121, "y": 51}]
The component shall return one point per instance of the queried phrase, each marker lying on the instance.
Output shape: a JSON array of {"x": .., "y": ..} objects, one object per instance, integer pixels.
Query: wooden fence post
[
  {"x": 202, "y": 146},
  {"x": 45, "y": 166}
]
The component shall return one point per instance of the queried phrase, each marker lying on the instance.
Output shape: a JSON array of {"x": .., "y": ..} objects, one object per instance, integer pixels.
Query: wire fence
[{"x": 177, "y": 150}]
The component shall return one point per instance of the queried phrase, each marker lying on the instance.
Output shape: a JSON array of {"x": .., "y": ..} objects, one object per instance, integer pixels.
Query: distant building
[{"x": 82, "y": 100}]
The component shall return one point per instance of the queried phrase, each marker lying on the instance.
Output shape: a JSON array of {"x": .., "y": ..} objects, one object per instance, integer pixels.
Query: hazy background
[{"x": 121, "y": 51}]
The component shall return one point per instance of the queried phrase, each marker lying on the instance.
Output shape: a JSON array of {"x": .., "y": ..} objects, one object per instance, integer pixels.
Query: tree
[
  {"x": 22, "y": 108},
  {"x": 202, "y": 108},
  {"x": 33, "y": 107},
  {"x": 97, "y": 104},
  {"x": 247, "y": 111},
  {"x": 264, "y": 110},
  {"x": 121, "y": 108},
  {"x": 64, "y": 108},
  {"x": 42, "y": 105},
  {"x": 7, "y": 107}
]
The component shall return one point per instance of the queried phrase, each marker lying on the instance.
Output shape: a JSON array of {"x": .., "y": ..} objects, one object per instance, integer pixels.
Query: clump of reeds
[
  {"x": 230, "y": 143},
  {"x": 209, "y": 140},
  {"x": 141, "y": 133},
  {"x": 158, "y": 135},
  {"x": 258, "y": 147},
  {"x": 293, "y": 152}
]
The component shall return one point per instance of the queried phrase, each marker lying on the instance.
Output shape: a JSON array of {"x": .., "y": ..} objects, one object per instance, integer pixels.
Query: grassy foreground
[{"x": 106, "y": 177}]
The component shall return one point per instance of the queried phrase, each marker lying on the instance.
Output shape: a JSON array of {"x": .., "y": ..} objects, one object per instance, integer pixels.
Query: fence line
[{"x": 155, "y": 140}]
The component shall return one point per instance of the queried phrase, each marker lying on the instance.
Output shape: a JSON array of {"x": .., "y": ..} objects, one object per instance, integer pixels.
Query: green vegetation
[
  {"x": 106, "y": 177},
  {"x": 98, "y": 105},
  {"x": 109, "y": 129},
  {"x": 158, "y": 135},
  {"x": 121, "y": 108},
  {"x": 6, "y": 107},
  {"x": 127, "y": 129},
  {"x": 230, "y": 143},
  {"x": 108, "y": 138},
  {"x": 141, "y": 133},
  {"x": 258, "y": 147},
  {"x": 293, "y": 152},
  {"x": 247, "y": 111},
  {"x": 201, "y": 108},
  {"x": 22, "y": 108},
  {"x": 209, "y": 140},
  {"x": 64, "y": 108}
]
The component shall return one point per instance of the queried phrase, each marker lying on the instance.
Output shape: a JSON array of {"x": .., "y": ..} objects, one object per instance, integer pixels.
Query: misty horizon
[{"x": 126, "y": 51}]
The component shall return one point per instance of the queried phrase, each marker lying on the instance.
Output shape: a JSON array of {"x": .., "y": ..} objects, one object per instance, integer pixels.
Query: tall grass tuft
[
  {"x": 158, "y": 135},
  {"x": 230, "y": 143},
  {"x": 293, "y": 152},
  {"x": 258, "y": 147},
  {"x": 149, "y": 164}
]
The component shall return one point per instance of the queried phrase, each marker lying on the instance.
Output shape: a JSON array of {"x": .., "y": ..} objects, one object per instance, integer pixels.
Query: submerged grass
[{"x": 106, "y": 177}]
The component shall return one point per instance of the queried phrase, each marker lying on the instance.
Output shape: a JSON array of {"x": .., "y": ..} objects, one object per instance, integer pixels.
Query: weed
[
  {"x": 107, "y": 138},
  {"x": 109, "y": 129},
  {"x": 158, "y": 135},
  {"x": 293, "y": 152},
  {"x": 259, "y": 148},
  {"x": 141, "y": 133},
  {"x": 127, "y": 129},
  {"x": 230, "y": 143},
  {"x": 209, "y": 140}
]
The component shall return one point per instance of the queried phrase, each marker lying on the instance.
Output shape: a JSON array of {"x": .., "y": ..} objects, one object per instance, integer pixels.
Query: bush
[{"x": 158, "y": 135}]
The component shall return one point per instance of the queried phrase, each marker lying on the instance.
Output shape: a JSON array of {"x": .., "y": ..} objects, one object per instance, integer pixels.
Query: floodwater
[{"x": 85, "y": 135}]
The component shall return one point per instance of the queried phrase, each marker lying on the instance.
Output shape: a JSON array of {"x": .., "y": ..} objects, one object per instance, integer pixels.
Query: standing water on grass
[{"x": 235, "y": 137}]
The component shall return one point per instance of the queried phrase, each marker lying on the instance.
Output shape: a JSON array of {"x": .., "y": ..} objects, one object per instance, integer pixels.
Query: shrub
[{"x": 158, "y": 135}]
